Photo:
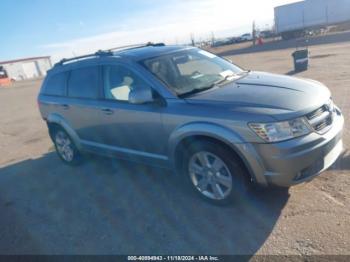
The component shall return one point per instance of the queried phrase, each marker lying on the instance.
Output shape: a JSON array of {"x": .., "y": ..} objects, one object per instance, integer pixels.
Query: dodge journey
[{"x": 217, "y": 125}]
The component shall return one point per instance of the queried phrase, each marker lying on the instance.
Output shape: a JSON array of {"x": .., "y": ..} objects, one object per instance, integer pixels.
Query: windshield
[{"x": 192, "y": 70}]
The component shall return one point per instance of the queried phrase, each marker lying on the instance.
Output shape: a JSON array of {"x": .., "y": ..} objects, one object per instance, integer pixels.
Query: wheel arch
[
  {"x": 54, "y": 121},
  {"x": 186, "y": 135}
]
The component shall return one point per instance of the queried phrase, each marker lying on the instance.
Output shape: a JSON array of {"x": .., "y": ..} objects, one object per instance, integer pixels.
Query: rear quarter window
[{"x": 56, "y": 85}]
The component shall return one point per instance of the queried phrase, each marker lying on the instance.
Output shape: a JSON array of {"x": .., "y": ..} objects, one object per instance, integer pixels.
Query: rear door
[{"x": 82, "y": 109}]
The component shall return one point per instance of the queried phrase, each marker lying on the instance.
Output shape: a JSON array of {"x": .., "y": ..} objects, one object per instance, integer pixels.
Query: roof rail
[
  {"x": 126, "y": 47},
  {"x": 108, "y": 52},
  {"x": 99, "y": 53}
]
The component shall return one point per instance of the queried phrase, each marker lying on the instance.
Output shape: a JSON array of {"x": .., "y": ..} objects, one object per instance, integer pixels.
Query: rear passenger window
[
  {"x": 84, "y": 82},
  {"x": 56, "y": 85}
]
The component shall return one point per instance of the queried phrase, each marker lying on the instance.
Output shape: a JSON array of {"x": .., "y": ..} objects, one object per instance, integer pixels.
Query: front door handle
[{"x": 107, "y": 111}]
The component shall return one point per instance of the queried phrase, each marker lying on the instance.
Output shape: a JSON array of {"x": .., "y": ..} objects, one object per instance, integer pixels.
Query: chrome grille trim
[
  {"x": 316, "y": 113},
  {"x": 321, "y": 119}
]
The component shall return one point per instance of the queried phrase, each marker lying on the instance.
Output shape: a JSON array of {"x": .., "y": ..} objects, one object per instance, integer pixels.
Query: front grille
[
  {"x": 321, "y": 119},
  {"x": 316, "y": 113},
  {"x": 323, "y": 124}
]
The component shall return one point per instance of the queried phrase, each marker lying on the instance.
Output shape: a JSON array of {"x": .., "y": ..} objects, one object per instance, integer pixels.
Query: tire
[
  {"x": 65, "y": 147},
  {"x": 225, "y": 180}
]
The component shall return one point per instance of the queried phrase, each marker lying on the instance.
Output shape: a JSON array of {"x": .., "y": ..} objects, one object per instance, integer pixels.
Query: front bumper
[{"x": 298, "y": 160}]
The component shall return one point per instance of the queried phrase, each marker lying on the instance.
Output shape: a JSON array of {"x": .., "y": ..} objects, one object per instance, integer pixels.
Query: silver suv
[{"x": 219, "y": 126}]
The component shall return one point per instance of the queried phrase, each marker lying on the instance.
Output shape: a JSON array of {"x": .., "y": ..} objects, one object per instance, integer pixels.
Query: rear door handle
[
  {"x": 107, "y": 111},
  {"x": 65, "y": 106}
]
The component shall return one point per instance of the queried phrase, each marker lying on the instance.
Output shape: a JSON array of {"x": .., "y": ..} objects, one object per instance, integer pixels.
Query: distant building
[{"x": 27, "y": 68}]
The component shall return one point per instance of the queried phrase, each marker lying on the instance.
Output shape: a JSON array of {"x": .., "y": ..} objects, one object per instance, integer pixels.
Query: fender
[
  {"x": 215, "y": 131},
  {"x": 244, "y": 150},
  {"x": 58, "y": 119}
]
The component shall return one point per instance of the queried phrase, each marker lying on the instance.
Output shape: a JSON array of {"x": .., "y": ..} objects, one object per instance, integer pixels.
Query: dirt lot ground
[{"x": 114, "y": 207}]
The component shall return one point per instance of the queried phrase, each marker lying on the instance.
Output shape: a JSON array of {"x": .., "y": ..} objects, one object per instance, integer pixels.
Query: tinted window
[
  {"x": 119, "y": 81},
  {"x": 56, "y": 85},
  {"x": 83, "y": 83}
]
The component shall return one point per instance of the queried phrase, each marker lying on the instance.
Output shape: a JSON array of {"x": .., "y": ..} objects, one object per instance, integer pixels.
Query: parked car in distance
[
  {"x": 218, "y": 43},
  {"x": 246, "y": 37},
  {"x": 220, "y": 127},
  {"x": 267, "y": 34},
  {"x": 224, "y": 41}
]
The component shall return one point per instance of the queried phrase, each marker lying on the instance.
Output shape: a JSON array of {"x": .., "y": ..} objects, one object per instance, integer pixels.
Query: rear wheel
[
  {"x": 66, "y": 148},
  {"x": 215, "y": 173}
]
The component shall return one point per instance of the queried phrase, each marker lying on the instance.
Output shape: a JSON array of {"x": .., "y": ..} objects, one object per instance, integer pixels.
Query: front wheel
[{"x": 215, "y": 173}]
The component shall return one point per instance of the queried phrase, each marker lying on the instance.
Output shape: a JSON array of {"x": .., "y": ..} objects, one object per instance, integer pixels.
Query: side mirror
[{"x": 141, "y": 95}]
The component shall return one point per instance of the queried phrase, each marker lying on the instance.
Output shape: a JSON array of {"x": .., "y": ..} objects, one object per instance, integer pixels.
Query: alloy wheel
[
  {"x": 210, "y": 175},
  {"x": 64, "y": 146}
]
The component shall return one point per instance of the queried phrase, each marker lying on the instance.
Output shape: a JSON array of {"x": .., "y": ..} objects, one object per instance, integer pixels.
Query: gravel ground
[{"x": 113, "y": 207}]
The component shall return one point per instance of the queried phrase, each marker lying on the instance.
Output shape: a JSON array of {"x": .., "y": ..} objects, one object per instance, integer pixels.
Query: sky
[{"x": 65, "y": 28}]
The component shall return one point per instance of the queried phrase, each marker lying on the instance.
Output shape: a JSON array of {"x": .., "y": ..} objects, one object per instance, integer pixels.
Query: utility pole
[
  {"x": 212, "y": 39},
  {"x": 192, "y": 39},
  {"x": 254, "y": 33}
]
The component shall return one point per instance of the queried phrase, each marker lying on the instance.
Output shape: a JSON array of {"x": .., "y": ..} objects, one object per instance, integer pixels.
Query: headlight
[{"x": 279, "y": 131}]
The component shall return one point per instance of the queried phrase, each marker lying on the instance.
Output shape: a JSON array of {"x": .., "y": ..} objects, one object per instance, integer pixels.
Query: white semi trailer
[{"x": 293, "y": 19}]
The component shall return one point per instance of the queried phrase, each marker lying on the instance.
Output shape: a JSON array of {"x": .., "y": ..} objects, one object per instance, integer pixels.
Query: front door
[{"x": 129, "y": 129}]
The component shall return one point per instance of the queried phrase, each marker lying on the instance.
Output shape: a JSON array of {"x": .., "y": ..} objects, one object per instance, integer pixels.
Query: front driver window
[{"x": 119, "y": 82}]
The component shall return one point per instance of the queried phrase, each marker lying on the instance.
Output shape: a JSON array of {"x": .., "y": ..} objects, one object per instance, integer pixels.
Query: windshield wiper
[
  {"x": 222, "y": 80},
  {"x": 198, "y": 90}
]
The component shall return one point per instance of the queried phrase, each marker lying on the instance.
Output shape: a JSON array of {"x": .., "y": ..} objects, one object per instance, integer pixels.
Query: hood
[{"x": 264, "y": 93}]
